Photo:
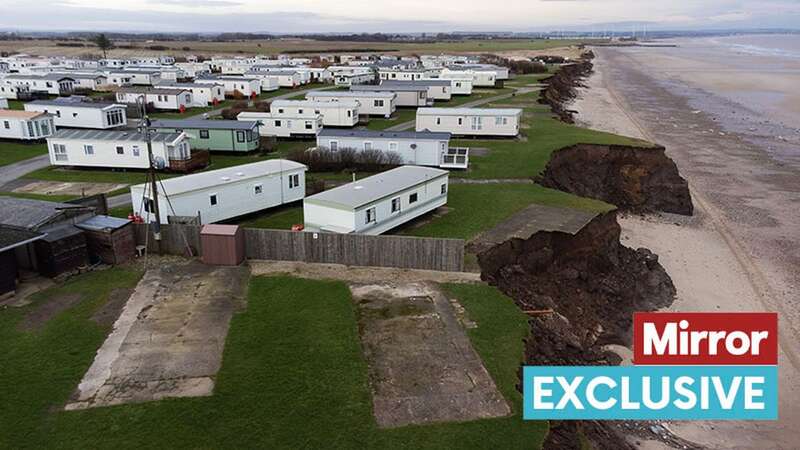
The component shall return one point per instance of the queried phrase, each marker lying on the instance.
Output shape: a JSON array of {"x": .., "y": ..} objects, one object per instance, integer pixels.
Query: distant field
[{"x": 50, "y": 47}]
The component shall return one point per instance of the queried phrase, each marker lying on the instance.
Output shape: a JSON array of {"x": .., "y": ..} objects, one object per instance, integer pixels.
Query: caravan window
[
  {"x": 378, "y": 103},
  {"x": 258, "y": 189},
  {"x": 309, "y": 125},
  {"x": 444, "y": 188},
  {"x": 392, "y": 146},
  {"x": 88, "y": 149},
  {"x": 6, "y": 125},
  {"x": 277, "y": 123},
  {"x": 333, "y": 145},
  {"x": 294, "y": 181},
  {"x": 413, "y": 198},
  {"x": 212, "y": 198},
  {"x": 367, "y": 145},
  {"x": 240, "y": 136},
  {"x": 135, "y": 150},
  {"x": 120, "y": 150},
  {"x": 371, "y": 215},
  {"x": 203, "y": 134},
  {"x": 396, "y": 205}
]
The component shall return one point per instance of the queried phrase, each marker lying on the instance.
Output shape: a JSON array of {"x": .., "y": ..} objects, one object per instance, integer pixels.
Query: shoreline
[{"x": 708, "y": 256}]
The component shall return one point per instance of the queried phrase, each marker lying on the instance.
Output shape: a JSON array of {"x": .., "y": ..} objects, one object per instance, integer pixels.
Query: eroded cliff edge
[{"x": 635, "y": 179}]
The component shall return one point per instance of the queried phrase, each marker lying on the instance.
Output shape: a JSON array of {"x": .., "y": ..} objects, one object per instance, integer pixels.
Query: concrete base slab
[
  {"x": 422, "y": 366},
  {"x": 65, "y": 188},
  {"x": 169, "y": 338}
]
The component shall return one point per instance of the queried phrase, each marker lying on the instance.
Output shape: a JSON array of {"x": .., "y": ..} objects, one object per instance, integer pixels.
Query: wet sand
[{"x": 741, "y": 250}]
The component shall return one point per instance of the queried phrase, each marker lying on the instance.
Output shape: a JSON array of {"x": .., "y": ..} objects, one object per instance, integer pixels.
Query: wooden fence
[{"x": 348, "y": 249}]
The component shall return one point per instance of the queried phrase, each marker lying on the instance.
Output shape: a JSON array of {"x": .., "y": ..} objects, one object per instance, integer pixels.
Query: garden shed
[
  {"x": 109, "y": 239},
  {"x": 222, "y": 244}
]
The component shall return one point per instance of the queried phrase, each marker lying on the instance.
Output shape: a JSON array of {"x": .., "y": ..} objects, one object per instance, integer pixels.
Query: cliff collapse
[
  {"x": 635, "y": 179},
  {"x": 590, "y": 281},
  {"x": 580, "y": 292},
  {"x": 561, "y": 87}
]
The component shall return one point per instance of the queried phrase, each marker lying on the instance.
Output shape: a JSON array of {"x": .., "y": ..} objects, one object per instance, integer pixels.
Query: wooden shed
[
  {"x": 12, "y": 238},
  {"x": 61, "y": 250},
  {"x": 109, "y": 239},
  {"x": 222, "y": 244}
]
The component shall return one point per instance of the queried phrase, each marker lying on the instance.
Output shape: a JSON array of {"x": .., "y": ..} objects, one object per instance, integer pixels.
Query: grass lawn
[
  {"x": 120, "y": 211},
  {"x": 477, "y": 94},
  {"x": 512, "y": 158},
  {"x": 11, "y": 152},
  {"x": 18, "y": 105},
  {"x": 292, "y": 376},
  {"x": 281, "y": 218},
  {"x": 401, "y": 115},
  {"x": 465, "y": 220}
]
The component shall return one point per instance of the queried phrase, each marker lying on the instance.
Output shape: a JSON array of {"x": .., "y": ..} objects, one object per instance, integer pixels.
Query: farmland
[{"x": 285, "y": 45}]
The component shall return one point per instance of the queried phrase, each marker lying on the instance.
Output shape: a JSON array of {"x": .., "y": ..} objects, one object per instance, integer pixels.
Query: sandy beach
[{"x": 741, "y": 250}]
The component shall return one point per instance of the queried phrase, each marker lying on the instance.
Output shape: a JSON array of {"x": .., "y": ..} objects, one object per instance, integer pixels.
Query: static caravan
[
  {"x": 121, "y": 79},
  {"x": 246, "y": 86},
  {"x": 348, "y": 76},
  {"x": 113, "y": 63},
  {"x": 421, "y": 148},
  {"x": 119, "y": 149},
  {"x": 194, "y": 69},
  {"x": 458, "y": 86},
  {"x": 406, "y": 95},
  {"x": 285, "y": 78},
  {"x": 223, "y": 194},
  {"x": 371, "y": 103},
  {"x": 74, "y": 113},
  {"x": 378, "y": 203},
  {"x": 470, "y": 121},
  {"x": 436, "y": 89},
  {"x": 88, "y": 81},
  {"x": 404, "y": 74},
  {"x": 51, "y": 83},
  {"x": 334, "y": 114},
  {"x": 25, "y": 125},
  {"x": 501, "y": 73},
  {"x": 8, "y": 91},
  {"x": 285, "y": 125},
  {"x": 202, "y": 94},
  {"x": 166, "y": 98},
  {"x": 214, "y": 135},
  {"x": 143, "y": 77},
  {"x": 480, "y": 78},
  {"x": 269, "y": 81}
]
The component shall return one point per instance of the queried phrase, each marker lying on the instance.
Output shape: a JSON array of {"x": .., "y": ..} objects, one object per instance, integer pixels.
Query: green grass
[
  {"x": 120, "y": 211},
  {"x": 292, "y": 376},
  {"x": 11, "y": 152},
  {"x": 465, "y": 220},
  {"x": 477, "y": 94},
  {"x": 513, "y": 158},
  {"x": 18, "y": 105},
  {"x": 275, "y": 218},
  {"x": 41, "y": 368},
  {"x": 401, "y": 115}
]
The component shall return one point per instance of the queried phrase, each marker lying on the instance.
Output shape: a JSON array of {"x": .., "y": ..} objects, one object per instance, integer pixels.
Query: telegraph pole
[{"x": 144, "y": 125}]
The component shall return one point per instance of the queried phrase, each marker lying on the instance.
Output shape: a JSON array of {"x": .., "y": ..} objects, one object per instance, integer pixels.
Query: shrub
[{"x": 324, "y": 160}]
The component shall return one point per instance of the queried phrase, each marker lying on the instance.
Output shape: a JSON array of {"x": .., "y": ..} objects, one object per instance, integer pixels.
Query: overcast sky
[{"x": 297, "y": 16}]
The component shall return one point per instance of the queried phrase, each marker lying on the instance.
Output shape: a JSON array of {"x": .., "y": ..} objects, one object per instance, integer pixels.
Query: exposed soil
[
  {"x": 581, "y": 291},
  {"x": 107, "y": 314},
  {"x": 562, "y": 86},
  {"x": 47, "y": 309},
  {"x": 636, "y": 179}
]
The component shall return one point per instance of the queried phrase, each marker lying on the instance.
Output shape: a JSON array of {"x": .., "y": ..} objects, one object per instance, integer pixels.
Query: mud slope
[
  {"x": 590, "y": 280},
  {"x": 580, "y": 292},
  {"x": 561, "y": 87},
  {"x": 636, "y": 179}
]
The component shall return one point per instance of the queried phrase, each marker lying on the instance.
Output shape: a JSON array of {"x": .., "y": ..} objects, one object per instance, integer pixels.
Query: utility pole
[{"x": 144, "y": 125}]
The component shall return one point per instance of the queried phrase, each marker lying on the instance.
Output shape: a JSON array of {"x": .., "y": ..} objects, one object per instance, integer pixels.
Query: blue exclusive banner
[{"x": 650, "y": 392}]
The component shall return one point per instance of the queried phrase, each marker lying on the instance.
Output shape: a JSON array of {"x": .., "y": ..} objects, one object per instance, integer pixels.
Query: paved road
[
  {"x": 410, "y": 124},
  {"x": 16, "y": 170}
]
